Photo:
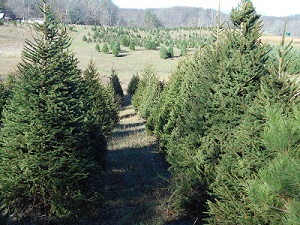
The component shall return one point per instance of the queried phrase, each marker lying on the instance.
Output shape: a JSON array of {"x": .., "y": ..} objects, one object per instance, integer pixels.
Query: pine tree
[
  {"x": 222, "y": 82},
  {"x": 48, "y": 166},
  {"x": 103, "y": 106},
  {"x": 132, "y": 45},
  {"x": 133, "y": 84},
  {"x": 246, "y": 152},
  {"x": 275, "y": 190},
  {"x": 105, "y": 48},
  {"x": 163, "y": 52},
  {"x": 116, "y": 85}
]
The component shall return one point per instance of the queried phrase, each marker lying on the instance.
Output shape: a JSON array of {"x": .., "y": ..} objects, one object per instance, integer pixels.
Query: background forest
[{"x": 105, "y": 12}]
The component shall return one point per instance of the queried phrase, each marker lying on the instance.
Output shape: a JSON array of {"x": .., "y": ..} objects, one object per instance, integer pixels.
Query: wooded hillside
[{"x": 105, "y": 12}]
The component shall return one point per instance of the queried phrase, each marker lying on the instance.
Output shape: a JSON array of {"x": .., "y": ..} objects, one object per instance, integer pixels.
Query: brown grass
[
  {"x": 12, "y": 40},
  {"x": 129, "y": 63},
  {"x": 275, "y": 40}
]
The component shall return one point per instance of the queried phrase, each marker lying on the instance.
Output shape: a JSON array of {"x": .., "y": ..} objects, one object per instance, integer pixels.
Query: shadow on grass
[
  {"x": 184, "y": 221},
  {"x": 128, "y": 132},
  {"x": 127, "y": 116},
  {"x": 124, "y": 127},
  {"x": 136, "y": 178},
  {"x": 127, "y": 100},
  {"x": 122, "y": 55}
]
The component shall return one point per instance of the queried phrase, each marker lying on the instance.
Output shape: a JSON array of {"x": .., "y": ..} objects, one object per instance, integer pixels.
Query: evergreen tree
[
  {"x": 116, "y": 49},
  {"x": 163, "y": 52},
  {"x": 183, "y": 48},
  {"x": 147, "y": 93},
  {"x": 132, "y": 45},
  {"x": 3, "y": 97},
  {"x": 246, "y": 152},
  {"x": 48, "y": 166},
  {"x": 125, "y": 41},
  {"x": 105, "y": 48},
  {"x": 103, "y": 106},
  {"x": 97, "y": 47},
  {"x": 133, "y": 84},
  {"x": 116, "y": 85},
  {"x": 150, "y": 45},
  {"x": 170, "y": 52},
  {"x": 220, "y": 84},
  {"x": 151, "y": 20},
  {"x": 168, "y": 109},
  {"x": 112, "y": 45},
  {"x": 276, "y": 188}
]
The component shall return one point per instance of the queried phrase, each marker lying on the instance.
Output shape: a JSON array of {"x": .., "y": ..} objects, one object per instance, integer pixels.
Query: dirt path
[{"x": 136, "y": 175}]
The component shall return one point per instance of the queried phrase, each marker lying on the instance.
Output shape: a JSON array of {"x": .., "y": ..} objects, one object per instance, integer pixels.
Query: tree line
[
  {"x": 105, "y": 12},
  {"x": 228, "y": 122}
]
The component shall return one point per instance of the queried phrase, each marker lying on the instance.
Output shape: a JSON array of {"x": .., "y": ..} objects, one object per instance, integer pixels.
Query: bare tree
[
  {"x": 108, "y": 13},
  {"x": 24, "y": 9},
  {"x": 62, "y": 8}
]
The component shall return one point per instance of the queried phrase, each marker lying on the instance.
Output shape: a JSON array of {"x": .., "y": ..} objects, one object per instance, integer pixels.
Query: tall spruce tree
[
  {"x": 224, "y": 81},
  {"x": 47, "y": 166},
  {"x": 246, "y": 153}
]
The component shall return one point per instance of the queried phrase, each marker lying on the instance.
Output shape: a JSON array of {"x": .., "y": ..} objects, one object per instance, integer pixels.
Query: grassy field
[
  {"x": 12, "y": 40},
  {"x": 129, "y": 62}
]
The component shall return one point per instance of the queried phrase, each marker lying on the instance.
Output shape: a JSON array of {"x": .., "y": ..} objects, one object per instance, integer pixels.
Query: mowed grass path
[{"x": 135, "y": 176}]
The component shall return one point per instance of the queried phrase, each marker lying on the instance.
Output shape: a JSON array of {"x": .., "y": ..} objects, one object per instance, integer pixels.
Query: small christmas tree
[
  {"x": 103, "y": 106},
  {"x": 97, "y": 47},
  {"x": 116, "y": 85},
  {"x": 163, "y": 52},
  {"x": 105, "y": 48},
  {"x": 132, "y": 45}
]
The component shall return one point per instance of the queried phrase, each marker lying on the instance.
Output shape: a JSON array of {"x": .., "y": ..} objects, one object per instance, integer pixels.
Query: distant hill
[
  {"x": 105, "y": 12},
  {"x": 173, "y": 17},
  {"x": 193, "y": 17}
]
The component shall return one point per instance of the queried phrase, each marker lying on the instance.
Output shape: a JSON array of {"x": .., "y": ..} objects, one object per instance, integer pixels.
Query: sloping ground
[{"x": 136, "y": 177}]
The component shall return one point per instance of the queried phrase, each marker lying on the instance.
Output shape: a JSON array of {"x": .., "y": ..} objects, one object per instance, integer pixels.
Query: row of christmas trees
[
  {"x": 229, "y": 124},
  {"x": 54, "y": 128}
]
